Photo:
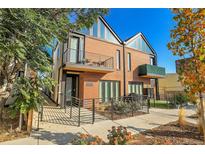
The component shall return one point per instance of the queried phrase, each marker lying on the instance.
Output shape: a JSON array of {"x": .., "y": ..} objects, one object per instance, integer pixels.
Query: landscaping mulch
[
  {"x": 194, "y": 116},
  {"x": 170, "y": 134},
  {"x": 8, "y": 129}
]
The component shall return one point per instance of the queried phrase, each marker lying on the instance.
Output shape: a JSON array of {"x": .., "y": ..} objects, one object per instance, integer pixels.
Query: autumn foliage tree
[{"x": 188, "y": 42}]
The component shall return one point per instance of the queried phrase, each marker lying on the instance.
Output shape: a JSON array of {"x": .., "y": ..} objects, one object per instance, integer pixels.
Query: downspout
[
  {"x": 156, "y": 80},
  {"x": 124, "y": 72}
]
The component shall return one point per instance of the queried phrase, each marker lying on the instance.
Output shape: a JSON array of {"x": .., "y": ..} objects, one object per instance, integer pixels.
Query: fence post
[
  {"x": 41, "y": 112},
  {"x": 132, "y": 103},
  {"x": 167, "y": 100},
  {"x": 93, "y": 118},
  {"x": 38, "y": 120},
  {"x": 71, "y": 105},
  {"x": 112, "y": 110},
  {"x": 148, "y": 104},
  {"x": 79, "y": 103}
]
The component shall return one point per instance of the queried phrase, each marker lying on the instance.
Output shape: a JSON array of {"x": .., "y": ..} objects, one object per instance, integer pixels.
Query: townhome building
[{"x": 96, "y": 63}]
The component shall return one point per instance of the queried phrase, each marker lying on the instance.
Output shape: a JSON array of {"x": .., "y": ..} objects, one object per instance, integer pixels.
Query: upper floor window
[
  {"x": 100, "y": 30},
  {"x": 95, "y": 30},
  {"x": 118, "y": 59},
  {"x": 152, "y": 61},
  {"x": 129, "y": 61},
  {"x": 140, "y": 44},
  {"x": 58, "y": 53},
  {"x": 85, "y": 31}
]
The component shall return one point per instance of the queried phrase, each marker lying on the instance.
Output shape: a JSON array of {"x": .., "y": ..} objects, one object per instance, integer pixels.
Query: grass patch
[{"x": 159, "y": 104}]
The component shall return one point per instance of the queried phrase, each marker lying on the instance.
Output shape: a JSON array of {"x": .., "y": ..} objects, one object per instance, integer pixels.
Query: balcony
[
  {"x": 80, "y": 60},
  {"x": 151, "y": 71}
]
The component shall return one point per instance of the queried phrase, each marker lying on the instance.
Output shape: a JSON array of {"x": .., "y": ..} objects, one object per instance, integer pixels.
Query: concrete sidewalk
[{"x": 51, "y": 133}]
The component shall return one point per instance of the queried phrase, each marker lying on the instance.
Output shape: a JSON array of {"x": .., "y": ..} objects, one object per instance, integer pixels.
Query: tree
[
  {"x": 188, "y": 42},
  {"x": 24, "y": 34}
]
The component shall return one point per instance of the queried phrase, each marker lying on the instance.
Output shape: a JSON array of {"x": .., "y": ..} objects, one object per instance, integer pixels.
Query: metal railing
[
  {"x": 95, "y": 109},
  {"x": 83, "y": 111},
  {"x": 82, "y": 57}
]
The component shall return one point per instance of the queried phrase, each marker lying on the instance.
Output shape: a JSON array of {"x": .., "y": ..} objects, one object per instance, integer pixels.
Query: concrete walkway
[{"x": 51, "y": 133}]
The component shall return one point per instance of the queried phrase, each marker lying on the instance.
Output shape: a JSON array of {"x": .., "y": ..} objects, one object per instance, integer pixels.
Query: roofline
[
  {"x": 145, "y": 39},
  {"x": 110, "y": 28}
]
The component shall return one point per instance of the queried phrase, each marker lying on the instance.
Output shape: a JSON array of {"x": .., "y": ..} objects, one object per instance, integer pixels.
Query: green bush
[
  {"x": 121, "y": 107},
  {"x": 181, "y": 98}
]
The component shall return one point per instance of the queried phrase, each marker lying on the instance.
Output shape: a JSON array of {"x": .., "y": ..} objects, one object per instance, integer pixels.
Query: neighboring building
[
  {"x": 170, "y": 85},
  {"x": 96, "y": 63}
]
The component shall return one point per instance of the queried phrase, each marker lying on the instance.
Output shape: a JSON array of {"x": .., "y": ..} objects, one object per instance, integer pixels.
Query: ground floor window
[
  {"x": 135, "y": 87},
  {"x": 109, "y": 89}
]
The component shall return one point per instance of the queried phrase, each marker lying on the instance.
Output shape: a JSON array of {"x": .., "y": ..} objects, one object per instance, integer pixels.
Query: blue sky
[{"x": 155, "y": 24}]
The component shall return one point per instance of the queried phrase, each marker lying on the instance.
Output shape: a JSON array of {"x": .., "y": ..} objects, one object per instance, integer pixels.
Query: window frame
[
  {"x": 140, "y": 86},
  {"x": 112, "y": 84},
  {"x": 129, "y": 67},
  {"x": 118, "y": 61}
]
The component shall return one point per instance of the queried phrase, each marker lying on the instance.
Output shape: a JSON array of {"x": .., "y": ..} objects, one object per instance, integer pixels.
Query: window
[
  {"x": 135, "y": 87},
  {"x": 129, "y": 61},
  {"x": 102, "y": 30},
  {"x": 152, "y": 62},
  {"x": 109, "y": 89},
  {"x": 58, "y": 53},
  {"x": 95, "y": 30},
  {"x": 85, "y": 31},
  {"x": 118, "y": 59},
  {"x": 140, "y": 44},
  {"x": 133, "y": 44}
]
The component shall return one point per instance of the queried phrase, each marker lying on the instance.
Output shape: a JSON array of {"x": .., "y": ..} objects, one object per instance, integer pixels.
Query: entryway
[{"x": 71, "y": 87}]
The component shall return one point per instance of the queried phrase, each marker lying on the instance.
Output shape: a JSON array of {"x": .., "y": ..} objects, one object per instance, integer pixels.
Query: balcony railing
[
  {"x": 151, "y": 71},
  {"x": 81, "y": 57}
]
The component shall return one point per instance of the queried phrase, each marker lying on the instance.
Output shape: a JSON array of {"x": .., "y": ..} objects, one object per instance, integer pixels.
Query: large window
[
  {"x": 102, "y": 30},
  {"x": 118, "y": 59},
  {"x": 129, "y": 61},
  {"x": 109, "y": 89},
  {"x": 85, "y": 31},
  {"x": 95, "y": 30},
  {"x": 135, "y": 87},
  {"x": 140, "y": 44}
]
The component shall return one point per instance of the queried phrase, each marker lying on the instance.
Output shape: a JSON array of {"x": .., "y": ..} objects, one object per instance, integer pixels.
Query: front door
[{"x": 72, "y": 82}]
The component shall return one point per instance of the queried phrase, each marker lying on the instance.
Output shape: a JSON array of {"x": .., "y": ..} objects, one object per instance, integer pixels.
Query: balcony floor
[{"x": 87, "y": 68}]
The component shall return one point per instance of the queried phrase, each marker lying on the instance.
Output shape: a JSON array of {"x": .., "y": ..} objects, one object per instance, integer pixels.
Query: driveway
[{"x": 52, "y": 133}]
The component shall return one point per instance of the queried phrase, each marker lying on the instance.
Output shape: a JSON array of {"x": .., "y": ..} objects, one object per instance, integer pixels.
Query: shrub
[
  {"x": 87, "y": 139},
  {"x": 181, "y": 99},
  {"x": 181, "y": 116},
  {"x": 121, "y": 107},
  {"x": 118, "y": 135}
]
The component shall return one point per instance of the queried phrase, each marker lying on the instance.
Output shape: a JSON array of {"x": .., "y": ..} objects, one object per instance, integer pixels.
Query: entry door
[
  {"x": 71, "y": 87},
  {"x": 74, "y": 44}
]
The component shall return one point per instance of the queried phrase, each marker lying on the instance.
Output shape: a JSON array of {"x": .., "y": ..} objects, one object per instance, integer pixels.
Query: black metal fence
[
  {"x": 92, "y": 110},
  {"x": 168, "y": 101}
]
